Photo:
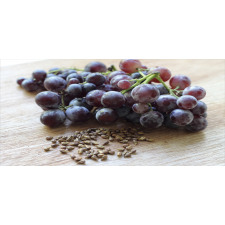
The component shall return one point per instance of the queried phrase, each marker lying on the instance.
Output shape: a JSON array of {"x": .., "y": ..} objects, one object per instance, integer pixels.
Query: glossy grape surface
[
  {"x": 166, "y": 103},
  {"x": 199, "y": 109},
  {"x": 164, "y": 73},
  {"x": 152, "y": 119},
  {"x": 145, "y": 93},
  {"x": 198, "y": 123},
  {"x": 196, "y": 91},
  {"x": 95, "y": 67},
  {"x": 55, "y": 84},
  {"x": 39, "y": 75},
  {"x": 78, "y": 114},
  {"x": 96, "y": 78},
  {"x": 113, "y": 99},
  {"x": 106, "y": 116},
  {"x": 75, "y": 90},
  {"x": 181, "y": 117},
  {"x": 180, "y": 81},
  {"x": 140, "y": 108},
  {"x": 187, "y": 102},
  {"x": 53, "y": 118},
  {"x": 93, "y": 98},
  {"x": 130, "y": 65},
  {"x": 30, "y": 85}
]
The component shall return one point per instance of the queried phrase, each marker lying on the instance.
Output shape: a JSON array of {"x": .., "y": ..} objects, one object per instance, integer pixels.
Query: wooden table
[{"x": 23, "y": 136}]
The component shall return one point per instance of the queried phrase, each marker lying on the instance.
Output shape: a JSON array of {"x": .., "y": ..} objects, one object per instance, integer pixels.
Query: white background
[{"x": 111, "y": 29}]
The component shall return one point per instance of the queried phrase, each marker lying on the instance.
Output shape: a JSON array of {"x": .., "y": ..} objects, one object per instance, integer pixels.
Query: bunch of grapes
[{"x": 137, "y": 93}]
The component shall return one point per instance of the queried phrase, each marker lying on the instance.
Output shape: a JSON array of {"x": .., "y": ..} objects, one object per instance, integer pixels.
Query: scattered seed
[
  {"x": 63, "y": 151},
  {"x": 119, "y": 154},
  {"x": 69, "y": 148},
  {"x": 120, "y": 149},
  {"x": 47, "y": 149},
  {"x": 105, "y": 143},
  {"x": 104, "y": 157},
  {"x": 54, "y": 145},
  {"x": 111, "y": 152},
  {"x": 48, "y": 138},
  {"x": 81, "y": 161}
]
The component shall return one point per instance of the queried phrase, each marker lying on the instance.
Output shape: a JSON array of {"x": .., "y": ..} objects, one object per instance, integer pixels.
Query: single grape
[
  {"x": 55, "y": 70},
  {"x": 162, "y": 89},
  {"x": 198, "y": 123},
  {"x": 133, "y": 117},
  {"x": 114, "y": 81},
  {"x": 77, "y": 114},
  {"x": 73, "y": 81},
  {"x": 145, "y": 93},
  {"x": 113, "y": 74},
  {"x": 113, "y": 99},
  {"x": 53, "y": 118},
  {"x": 87, "y": 87},
  {"x": 80, "y": 102},
  {"x": 95, "y": 67},
  {"x": 140, "y": 108},
  {"x": 181, "y": 117},
  {"x": 96, "y": 78},
  {"x": 48, "y": 100},
  {"x": 196, "y": 91},
  {"x": 164, "y": 73},
  {"x": 130, "y": 65},
  {"x": 39, "y": 75},
  {"x": 180, "y": 81},
  {"x": 20, "y": 80},
  {"x": 124, "y": 84},
  {"x": 55, "y": 84},
  {"x": 186, "y": 102},
  {"x": 75, "y": 75},
  {"x": 166, "y": 103},
  {"x": 129, "y": 99},
  {"x": 30, "y": 85},
  {"x": 106, "y": 116},
  {"x": 75, "y": 90},
  {"x": 152, "y": 119},
  {"x": 123, "y": 111},
  {"x": 200, "y": 109},
  {"x": 168, "y": 123},
  {"x": 93, "y": 98}
]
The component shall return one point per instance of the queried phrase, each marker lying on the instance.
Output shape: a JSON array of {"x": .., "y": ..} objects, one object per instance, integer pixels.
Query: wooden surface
[{"x": 23, "y": 136}]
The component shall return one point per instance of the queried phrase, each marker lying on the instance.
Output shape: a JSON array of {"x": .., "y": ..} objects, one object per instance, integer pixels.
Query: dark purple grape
[
  {"x": 129, "y": 99},
  {"x": 152, "y": 119},
  {"x": 180, "y": 81},
  {"x": 74, "y": 90},
  {"x": 20, "y": 80},
  {"x": 73, "y": 81},
  {"x": 87, "y": 87},
  {"x": 162, "y": 89},
  {"x": 55, "y": 84},
  {"x": 140, "y": 108},
  {"x": 187, "y": 102},
  {"x": 80, "y": 102},
  {"x": 93, "y": 98},
  {"x": 123, "y": 111},
  {"x": 48, "y": 100},
  {"x": 181, "y": 117},
  {"x": 55, "y": 71},
  {"x": 77, "y": 114},
  {"x": 53, "y": 118},
  {"x": 196, "y": 91},
  {"x": 96, "y": 78},
  {"x": 106, "y": 116},
  {"x": 30, "y": 85},
  {"x": 95, "y": 67},
  {"x": 145, "y": 93},
  {"x": 204, "y": 115},
  {"x": 75, "y": 75},
  {"x": 39, "y": 75},
  {"x": 113, "y": 99},
  {"x": 166, "y": 103},
  {"x": 199, "y": 109},
  {"x": 198, "y": 123},
  {"x": 66, "y": 73},
  {"x": 133, "y": 117}
]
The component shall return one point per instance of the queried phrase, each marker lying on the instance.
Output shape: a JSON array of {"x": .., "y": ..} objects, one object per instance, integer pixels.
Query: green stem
[{"x": 164, "y": 84}]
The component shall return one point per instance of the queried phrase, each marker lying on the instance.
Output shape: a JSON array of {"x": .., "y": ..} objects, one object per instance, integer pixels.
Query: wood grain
[{"x": 23, "y": 136}]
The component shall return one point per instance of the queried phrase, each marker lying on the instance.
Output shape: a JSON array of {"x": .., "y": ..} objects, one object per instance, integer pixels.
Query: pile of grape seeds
[{"x": 135, "y": 93}]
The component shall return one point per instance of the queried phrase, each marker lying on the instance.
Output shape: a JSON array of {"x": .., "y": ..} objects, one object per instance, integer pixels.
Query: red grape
[
  {"x": 199, "y": 109},
  {"x": 196, "y": 91},
  {"x": 145, "y": 93},
  {"x": 140, "y": 108},
  {"x": 115, "y": 73},
  {"x": 118, "y": 78},
  {"x": 165, "y": 74},
  {"x": 181, "y": 117},
  {"x": 166, "y": 103},
  {"x": 124, "y": 84},
  {"x": 73, "y": 81},
  {"x": 180, "y": 81},
  {"x": 186, "y": 102},
  {"x": 93, "y": 98},
  {"x": 130, "y": 65},
  {"x": 113, "y": 99}
]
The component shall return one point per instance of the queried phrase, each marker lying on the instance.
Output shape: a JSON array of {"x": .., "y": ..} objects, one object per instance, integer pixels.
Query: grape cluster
[{"x": 136, "y": 93}]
